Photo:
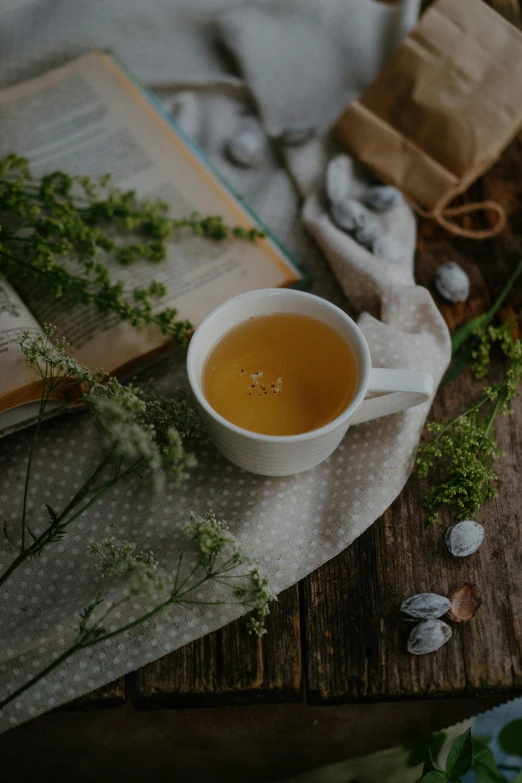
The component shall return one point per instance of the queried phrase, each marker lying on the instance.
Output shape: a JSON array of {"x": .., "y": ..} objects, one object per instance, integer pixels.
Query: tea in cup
[{"x": 279, "y": 375}]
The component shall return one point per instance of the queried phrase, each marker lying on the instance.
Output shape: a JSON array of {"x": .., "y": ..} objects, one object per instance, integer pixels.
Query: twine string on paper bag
[{"x": 440, "y": 213}]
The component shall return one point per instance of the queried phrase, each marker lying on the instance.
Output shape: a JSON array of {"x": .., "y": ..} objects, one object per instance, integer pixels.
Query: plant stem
[
  {"x": 37, "y": 677},
  {"x": 79, "y": 645},
  {"x": 465, "y": 413},
  {"x": 489, "y": 424},
  {"x": 178, "y": 597},
  {"x": 85, "y": 487},
  {"x": 51, "y": 530},
  {"x": 168, "y": 330},
  {"x": 102, "y": 491},
  {"x": 17, "y": 562}
]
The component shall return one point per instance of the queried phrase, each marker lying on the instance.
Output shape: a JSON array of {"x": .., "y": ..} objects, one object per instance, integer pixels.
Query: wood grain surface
[{"x": 337, "y": 636}]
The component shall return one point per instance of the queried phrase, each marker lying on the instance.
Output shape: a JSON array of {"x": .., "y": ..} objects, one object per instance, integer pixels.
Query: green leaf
[
  {"x": 484, "y": 764},
  {"x": 485, "y": 774},
  {"x": 460, "y": 756},
  {"x": 482, "y": 739},
  {"x": 510, "y": 738},
  {"x": 518, "y": 778},
  {"x": 435, "y": 776},
  {"x": 53, "y": 515}
]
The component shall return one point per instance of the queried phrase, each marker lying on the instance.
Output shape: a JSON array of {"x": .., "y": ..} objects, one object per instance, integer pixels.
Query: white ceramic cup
[{"x": 285, "y": 455}]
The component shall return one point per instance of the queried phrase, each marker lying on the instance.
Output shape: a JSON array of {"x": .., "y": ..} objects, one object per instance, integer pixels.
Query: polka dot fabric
[{"x": 289, "y": 525}]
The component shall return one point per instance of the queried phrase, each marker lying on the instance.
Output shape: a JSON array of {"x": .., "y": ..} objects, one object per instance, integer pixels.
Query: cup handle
[{"x": 404, "y": 390}]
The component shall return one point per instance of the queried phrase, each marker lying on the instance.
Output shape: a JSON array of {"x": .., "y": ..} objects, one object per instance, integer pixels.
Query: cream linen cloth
[{"x": 299, "y": 62}]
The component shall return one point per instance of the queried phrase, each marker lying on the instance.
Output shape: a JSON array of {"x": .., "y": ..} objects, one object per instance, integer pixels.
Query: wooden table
[{"x": 336, "y": 637}]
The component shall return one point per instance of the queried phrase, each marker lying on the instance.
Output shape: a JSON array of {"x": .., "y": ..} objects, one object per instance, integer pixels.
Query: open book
[{"x": 89, "y": 117}]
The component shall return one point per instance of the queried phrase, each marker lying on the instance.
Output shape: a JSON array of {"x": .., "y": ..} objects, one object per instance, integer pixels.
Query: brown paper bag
[{"x": 443, "y": 109}]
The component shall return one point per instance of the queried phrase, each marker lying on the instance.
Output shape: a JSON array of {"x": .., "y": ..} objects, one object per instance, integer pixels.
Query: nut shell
[
  {"x": 428, "y": 636},
  {"x": 452, "y": 282},
  {"x": 425, "y": 606},
  {"x": 381, "y": 198},
  {"x": 465, "y": 600},
  {"x": 464, "y": 538},
  {"x": 349, "y": 214}
]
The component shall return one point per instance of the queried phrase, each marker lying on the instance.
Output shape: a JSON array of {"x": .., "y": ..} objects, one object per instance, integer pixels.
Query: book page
[
  {"x": 89, "y": 118},
  {"x": 15, "y": 319}
]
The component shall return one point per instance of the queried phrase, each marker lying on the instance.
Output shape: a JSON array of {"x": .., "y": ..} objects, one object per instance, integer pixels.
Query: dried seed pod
[
  {"x": 368, "y": 234},
  {"x": 389, "y": 249},
  {"x": 452, "y": 282},
  {"x": 246, "y": 148},
  {"x": 382, "y": 198},
  {"x": 425, "y": 606},
  {"x": 464, "y": 538},
  {"x": 428, "y": 636},
  {"x": 297, "y": 135},
  {"x": 349, "y": 214},
  {"x": 465, "y": 602},
  {"x": 338, "y": 178}
]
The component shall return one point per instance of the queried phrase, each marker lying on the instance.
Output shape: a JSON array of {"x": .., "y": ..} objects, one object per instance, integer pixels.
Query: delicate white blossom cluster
[
  {"x": 121, "y": 561},
  {"x": 220, "y": 554},
  {"x": 220, "y": 561},
  {"x": 135, "y": 424},
  {"x": 257, "y": 595},
  {"x": 129, "y": 425},
  {"x": 48, "y": 356},
  {"x": 211, "y": 536}
]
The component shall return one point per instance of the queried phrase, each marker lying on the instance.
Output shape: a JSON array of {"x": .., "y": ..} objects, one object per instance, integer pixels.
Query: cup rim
[{"x": 301, "y": 437}]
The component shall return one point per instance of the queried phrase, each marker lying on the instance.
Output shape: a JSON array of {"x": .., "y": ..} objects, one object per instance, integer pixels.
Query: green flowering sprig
[
  {"x": 141, "y": 433},
  {"x": 465, "y": 446},
  {"x": 218, "y": 560},
  {"x": 486, "y": 339},
  {"x": 59, "y": 231}
]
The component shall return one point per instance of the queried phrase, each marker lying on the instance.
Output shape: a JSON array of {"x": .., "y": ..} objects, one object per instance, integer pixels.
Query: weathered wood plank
[{"x": 230, "y": 666}]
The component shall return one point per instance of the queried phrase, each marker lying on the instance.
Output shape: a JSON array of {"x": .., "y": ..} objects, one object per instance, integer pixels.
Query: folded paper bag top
[{"x": 442, "y": 110}]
